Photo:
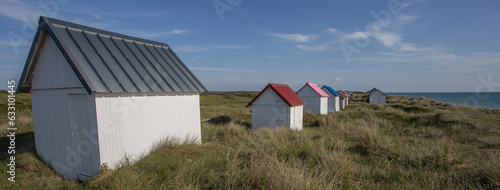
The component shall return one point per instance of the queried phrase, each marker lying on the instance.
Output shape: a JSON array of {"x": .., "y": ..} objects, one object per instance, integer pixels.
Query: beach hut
[
  {"x": 316, "y": 99},
  {"x": 277, "y": 105},
  {"x": 347, "y": 97},
  {"x": 342, "y": 100},
  {"x": 375, "y": 96},
  {"x": 99, "y": 97},
  {"x": 333, "y": 98}
]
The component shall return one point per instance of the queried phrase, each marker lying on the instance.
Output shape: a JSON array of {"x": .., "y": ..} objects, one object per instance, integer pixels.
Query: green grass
[{"x": 409, "y": 143}]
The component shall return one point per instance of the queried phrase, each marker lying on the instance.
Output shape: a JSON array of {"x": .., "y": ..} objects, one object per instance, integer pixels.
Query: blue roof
[{"x": 331, "y": 90}]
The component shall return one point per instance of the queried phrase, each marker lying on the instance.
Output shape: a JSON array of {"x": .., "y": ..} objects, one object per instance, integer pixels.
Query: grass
[{"x": 409, "y": 143}]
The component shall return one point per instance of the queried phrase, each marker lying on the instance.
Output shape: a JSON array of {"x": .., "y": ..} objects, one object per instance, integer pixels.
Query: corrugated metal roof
[
  {"x": 316, "y": 89},
  {"x": 331, "y": 90},
  {"x": 284, "y": 92},
  {"x": 109, "y": 62}
]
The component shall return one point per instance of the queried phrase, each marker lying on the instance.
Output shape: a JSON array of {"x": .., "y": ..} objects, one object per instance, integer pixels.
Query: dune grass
[{"x": 409, "y": 143}]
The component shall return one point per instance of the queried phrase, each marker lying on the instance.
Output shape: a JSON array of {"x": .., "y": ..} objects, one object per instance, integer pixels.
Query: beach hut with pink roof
[{"x": 315, "y": 98}]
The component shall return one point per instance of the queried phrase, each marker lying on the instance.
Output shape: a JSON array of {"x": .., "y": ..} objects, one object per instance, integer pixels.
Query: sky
[{"x": 233, "y": 45}]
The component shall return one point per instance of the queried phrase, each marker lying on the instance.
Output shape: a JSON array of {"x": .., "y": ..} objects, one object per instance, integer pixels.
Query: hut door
[
  {"x": 82, "y": 137},
  {"x": 281, "y": 115}
]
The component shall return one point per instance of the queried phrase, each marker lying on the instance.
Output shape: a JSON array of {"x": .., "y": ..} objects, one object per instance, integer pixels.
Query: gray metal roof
[{"x": 108, "y": 62}]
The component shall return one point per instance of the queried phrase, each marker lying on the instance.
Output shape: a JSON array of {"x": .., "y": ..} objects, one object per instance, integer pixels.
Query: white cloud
[
  {"x": 300, "y": 38},
  {"x": 333, "y": 30},
  {"x": 20, "y": 11},
  {"x": 388, "y": 39},
  {"x": 104, "y": 25},
  {"x": 203, "y": 48},
  {"x": 91, "y": 11},
  {"x": 403, "y": 18},
  {"x": 7, "y": 43},
  {"x": 222, "y": 69},
  {"x": 179, "y": 31},
  {"x": 354, "y": 35},
  {"x": 411, "y": 3},
  {"x": 317, "y": 48},
  {"x": 153, "y": 34},
  {"x": 338, "y": 80}
]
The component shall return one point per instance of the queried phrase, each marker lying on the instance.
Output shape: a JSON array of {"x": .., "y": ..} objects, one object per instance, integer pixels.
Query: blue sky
[{"x": 394, "y": 45}]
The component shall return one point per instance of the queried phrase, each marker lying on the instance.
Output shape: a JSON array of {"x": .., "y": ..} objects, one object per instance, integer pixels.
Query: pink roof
[{"x": 316, "y": 89}]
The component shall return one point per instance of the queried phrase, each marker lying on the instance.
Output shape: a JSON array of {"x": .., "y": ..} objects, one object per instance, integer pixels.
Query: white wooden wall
[
  {"x": 296, "y": 117},
  {"x": 52, "y": 83},
  {"x": 314, "y": 102},
  {"x": 130, "y": 124},
  {"x": 269, "y": 110},
  {"x": 341, "y": 103},
  {"x": 52, "y": 71},
  {"x": 377, "y": 98},
  {"x": 333, "y": 101}
]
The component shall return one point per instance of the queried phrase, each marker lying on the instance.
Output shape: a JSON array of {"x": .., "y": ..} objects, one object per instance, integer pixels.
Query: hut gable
[
  {"x": 51, "y": 59},
  {"x": 311, "y": 89},
  {"x": 269, "y": 97},
  {"x": 330, "y": 89},
  {"x": 315, "y": 98},
  {"x": 283, "y": 91}
]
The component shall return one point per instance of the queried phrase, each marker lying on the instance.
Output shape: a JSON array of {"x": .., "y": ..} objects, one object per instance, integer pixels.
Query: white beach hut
[
  {"x": 316, "y": 99},
  {"x": 346, "y": 98},
  {"x": 333, "y": 99},
  {"x": 375, "y": 96},
  {"x": 342, "y": 100},
  {"x": 277, "y": 105},
  {"x": 99, "y": 96}
]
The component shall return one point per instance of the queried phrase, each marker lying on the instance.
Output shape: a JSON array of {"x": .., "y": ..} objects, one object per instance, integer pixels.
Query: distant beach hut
[
  {"x": 98, "y": 97},
  {"x": 342, "y": 100},
  {"x": 375, "y": 96},
  {"x": 315, "y": 98},
  {"x": 346, "y": 98},
  {"x": 277, "y": 105},
  {"x": 333, "y": 99}
]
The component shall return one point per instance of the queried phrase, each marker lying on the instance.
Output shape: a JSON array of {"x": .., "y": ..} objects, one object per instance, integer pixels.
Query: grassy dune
[{"x": 409, "y": 143}]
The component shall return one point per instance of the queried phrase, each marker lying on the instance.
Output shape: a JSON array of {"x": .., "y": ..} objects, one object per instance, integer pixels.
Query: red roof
[
  {"x": 284, "y": 92},
  {"x": 342, "y": 95},
  {"x": 315, "y": 88}
]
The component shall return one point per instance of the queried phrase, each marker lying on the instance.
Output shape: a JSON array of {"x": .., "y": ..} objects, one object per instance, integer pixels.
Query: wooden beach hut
[
  {"x": 277, "y": 105},
  {"x": 333, "y": 98},
  {"x": 375, "y": 96},
  {"x": 98, "y": 97},
  {"x": 316, "y": 99}
]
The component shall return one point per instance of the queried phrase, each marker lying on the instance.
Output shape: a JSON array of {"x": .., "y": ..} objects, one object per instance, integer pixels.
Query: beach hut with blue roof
[{"x": 333, "y": 99}]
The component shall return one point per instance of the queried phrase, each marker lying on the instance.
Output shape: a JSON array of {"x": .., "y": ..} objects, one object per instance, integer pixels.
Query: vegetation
[{"x": 409, "y": 143}]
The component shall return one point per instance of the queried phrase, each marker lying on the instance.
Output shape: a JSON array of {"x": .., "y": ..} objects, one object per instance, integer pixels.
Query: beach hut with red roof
[
  {"x": 346, "y": 97},
  {"x": 342, "y": 100},
  {"x": 315, "y": 98},
  {"x": 277, "y": 105}
]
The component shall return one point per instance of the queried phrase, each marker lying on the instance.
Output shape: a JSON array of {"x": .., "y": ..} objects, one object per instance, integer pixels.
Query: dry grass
[{"x": 410, "y": 143}]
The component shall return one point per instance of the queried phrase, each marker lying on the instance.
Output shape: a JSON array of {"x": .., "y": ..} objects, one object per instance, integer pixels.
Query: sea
[{"x": 481, "y": 99}]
